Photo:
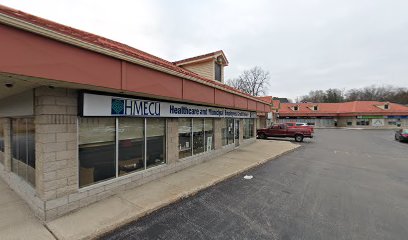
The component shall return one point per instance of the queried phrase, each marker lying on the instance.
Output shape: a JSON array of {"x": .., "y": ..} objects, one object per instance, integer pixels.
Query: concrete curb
[
  {"x": 346, "y": 128},
  {"x": 184, "y": 195}
]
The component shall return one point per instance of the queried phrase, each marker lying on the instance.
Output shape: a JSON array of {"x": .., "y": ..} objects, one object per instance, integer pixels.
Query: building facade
[
  {"x": 83, "y": 117},
  {"x": 357, "y": 114}
]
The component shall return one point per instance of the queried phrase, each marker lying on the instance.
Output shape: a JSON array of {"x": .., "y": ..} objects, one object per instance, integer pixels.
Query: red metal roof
[
  {"x": 276, "y": 104},
  {"x": 342, "y": 109},
  {"x": 108, "y": 44},
  {"x": 267, "y": 99}
]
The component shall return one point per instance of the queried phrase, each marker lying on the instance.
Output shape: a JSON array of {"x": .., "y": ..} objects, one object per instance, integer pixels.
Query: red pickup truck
[
  {"x": 299, "y": 125},
  {"x": 281, "y": 130}
]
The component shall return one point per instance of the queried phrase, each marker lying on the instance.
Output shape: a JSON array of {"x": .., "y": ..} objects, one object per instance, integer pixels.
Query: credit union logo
[{"x": 118, "y": 106}]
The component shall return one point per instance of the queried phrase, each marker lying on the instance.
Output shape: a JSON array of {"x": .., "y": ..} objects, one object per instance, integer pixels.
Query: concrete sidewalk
[
  {"x": 17, "y": 221},
  {"x": 111, "y": 213}
]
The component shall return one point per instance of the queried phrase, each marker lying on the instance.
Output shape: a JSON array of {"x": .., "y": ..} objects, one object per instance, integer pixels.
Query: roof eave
[{"x": 30, "y": 27}]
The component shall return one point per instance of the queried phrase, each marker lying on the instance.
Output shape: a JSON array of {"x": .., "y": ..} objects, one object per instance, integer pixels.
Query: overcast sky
[{"x": 304, "y": 44}]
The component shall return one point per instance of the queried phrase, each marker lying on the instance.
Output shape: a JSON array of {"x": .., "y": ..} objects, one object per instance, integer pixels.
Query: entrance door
[{"x": 236, "y": 132}]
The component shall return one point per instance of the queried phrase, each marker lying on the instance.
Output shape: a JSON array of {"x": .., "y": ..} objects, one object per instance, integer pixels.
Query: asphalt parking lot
[{"x": 343, "y": 184}]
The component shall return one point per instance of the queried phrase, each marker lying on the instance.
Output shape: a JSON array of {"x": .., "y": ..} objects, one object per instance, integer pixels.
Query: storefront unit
[
  {"x": 77, "y": 148},
  {"x": 358, "y": 114},
  {"x": 83, "y": 117}
]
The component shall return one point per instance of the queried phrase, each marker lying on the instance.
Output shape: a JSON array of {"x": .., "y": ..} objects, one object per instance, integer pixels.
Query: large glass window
[
  {"x": 224, "y": 131},
  {"x": 184, "y": 130},
  {"x": 131, "y": 145},
  {"x": 362, "y": 122},
  {"x": 230, "y": 131},
  {"x": 227, "y": 130},
  {"x": 97, "y": 150},
  {"x": 198, "y": 135},
  {"x": 156, "y": 141},
  {"x": 248, "y": 128},
  {"x": 140, "y": 143},
  {"x": 23, "y": 148},
  {"x": 209, "y": 134},
  {"x": 1, "y": 142}
]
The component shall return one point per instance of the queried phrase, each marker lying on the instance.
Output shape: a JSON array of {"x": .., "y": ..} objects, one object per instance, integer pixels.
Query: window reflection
[
  {"x": 23, "y": 148},
  {"x": 184, "y": 130},
  {"x": 209, "y": 134},
  {"x": 230, "y": 130},
  {"x": 97, "y": 143},
  {"x": 156, "y": 141},
  {"x": 131, "y": 145},
  {"x": 248, "y": 128},
  {"x": 198, "y": 135}
]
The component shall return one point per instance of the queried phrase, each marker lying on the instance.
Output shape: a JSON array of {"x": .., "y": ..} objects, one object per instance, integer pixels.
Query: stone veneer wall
[
  {"x": 22, "y": 188},
  {"x": 57, "y": 192}
]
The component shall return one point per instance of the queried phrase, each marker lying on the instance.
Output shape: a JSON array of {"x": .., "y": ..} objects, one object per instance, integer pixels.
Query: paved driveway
[{"x": 344, "y": 184}]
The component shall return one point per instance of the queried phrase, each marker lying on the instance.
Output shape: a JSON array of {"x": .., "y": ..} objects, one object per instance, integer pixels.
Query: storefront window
[
  {"x": 198, "y": 135},
  {"x": 97, "y": 150},
  {"x": 248, "y": 128},
  {"x": 224, "y": 131},
  {"x": 230, "y": 131},
  {"x": 1, "y": 142},
  {"x": 227, "y": 131},
  {"x": 131, "y": 145},
  {"x": 184, "y": 130},
  {"x": 23, "y": 148},
  {"x": 362, "y": 122},
  {"x": 209, "y": 134},
  {"x": 156, "y": 141}
]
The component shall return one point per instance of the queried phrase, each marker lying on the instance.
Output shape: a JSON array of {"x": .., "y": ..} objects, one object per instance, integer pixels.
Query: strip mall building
[
  {"x": 83, "y": 117},
  {"x": 358, "y": 114}
]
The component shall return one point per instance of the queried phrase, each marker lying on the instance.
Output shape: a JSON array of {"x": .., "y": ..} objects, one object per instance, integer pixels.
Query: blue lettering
[
  {"x": 157, "y": 109},
  {"x": 145, "y": 108},
  {"x": 150, "y": 108},
  {"x": 138, "y": 107}
]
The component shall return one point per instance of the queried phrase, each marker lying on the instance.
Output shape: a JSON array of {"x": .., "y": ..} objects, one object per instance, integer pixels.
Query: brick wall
[
  {"x": 172, "y": 140},
  {"x": 217, "y": 134},
  {"x": 56, "y": 144},
  {"x": 7, "y": 144}
]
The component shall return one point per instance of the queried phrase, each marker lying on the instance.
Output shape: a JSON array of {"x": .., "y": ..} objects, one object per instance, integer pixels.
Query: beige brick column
[
  {"x": 172, "y": 140},
  {"x": 56, "y": 142},
  {"x": 217, "y": 133},
  {"x": 7, "y": 144}
]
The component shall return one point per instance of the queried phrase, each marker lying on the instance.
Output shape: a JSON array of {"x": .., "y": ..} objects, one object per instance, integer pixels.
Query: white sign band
[{"x": 102, "y": 105}]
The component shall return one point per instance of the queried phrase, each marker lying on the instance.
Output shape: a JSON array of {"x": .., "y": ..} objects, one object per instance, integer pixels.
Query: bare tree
[
  {"x": 370, "y": 93},
  {"x": 254, "y": 81}
]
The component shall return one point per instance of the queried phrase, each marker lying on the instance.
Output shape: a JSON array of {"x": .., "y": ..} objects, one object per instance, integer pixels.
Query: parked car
[
  {"x": 299, "y": 125},
  {"x": 402, "y": 135},
  {"x": 282, "y": 130}
]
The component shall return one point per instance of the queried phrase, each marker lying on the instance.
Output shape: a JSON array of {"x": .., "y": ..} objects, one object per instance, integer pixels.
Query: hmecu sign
[{"x": 102, "y": 105}]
